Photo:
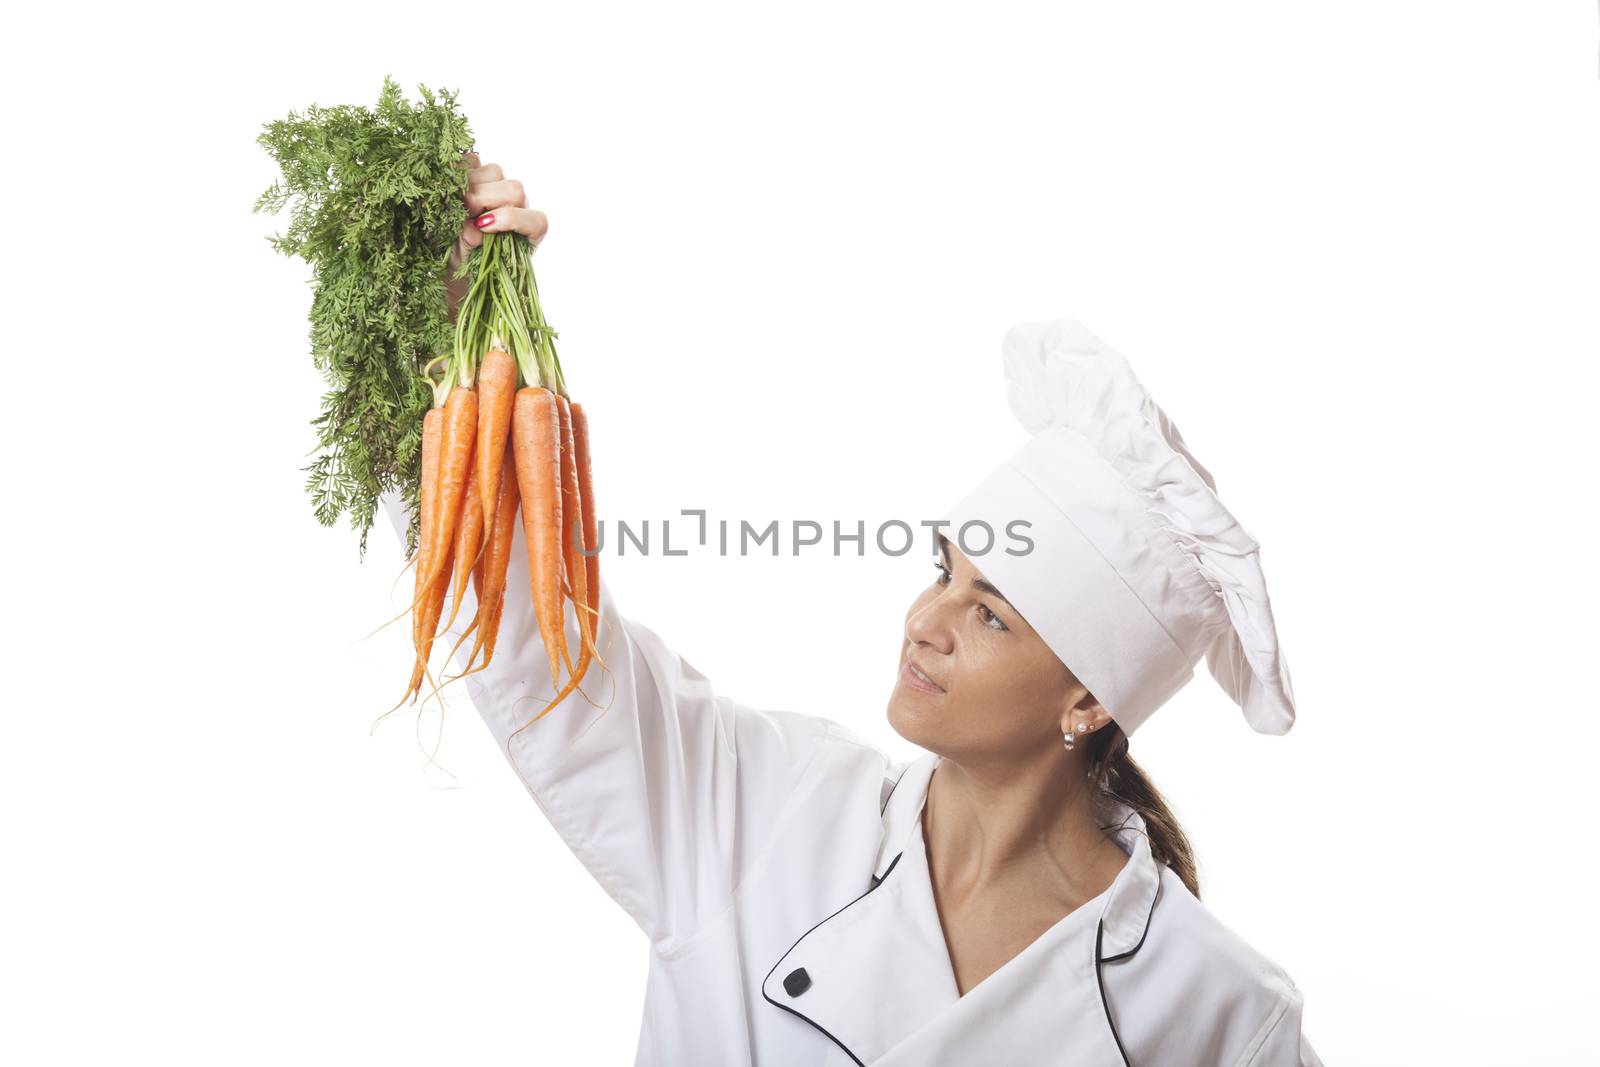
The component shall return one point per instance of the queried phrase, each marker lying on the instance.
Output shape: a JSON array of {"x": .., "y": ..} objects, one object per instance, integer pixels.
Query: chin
[{"x": 910, "y": 722}]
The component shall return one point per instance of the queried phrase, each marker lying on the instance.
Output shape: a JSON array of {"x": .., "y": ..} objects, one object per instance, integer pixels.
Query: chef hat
[{"x": 1136, "y": 569}]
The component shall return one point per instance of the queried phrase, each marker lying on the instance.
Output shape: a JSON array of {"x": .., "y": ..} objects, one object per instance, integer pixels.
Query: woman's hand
[{"x": 495, "y": 204}]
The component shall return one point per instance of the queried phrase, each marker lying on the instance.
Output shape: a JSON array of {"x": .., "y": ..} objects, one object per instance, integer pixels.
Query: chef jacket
[{"x": 776, "y": 863}]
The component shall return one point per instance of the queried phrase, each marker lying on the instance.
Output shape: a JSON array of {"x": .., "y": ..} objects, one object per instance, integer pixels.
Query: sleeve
[
  {"x": 669, "y": 793},
  {"x": 1284, "y": 1044}
]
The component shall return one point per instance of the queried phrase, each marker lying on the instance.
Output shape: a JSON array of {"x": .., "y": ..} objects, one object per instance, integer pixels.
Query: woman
[{"x": 1019, "y": 894}]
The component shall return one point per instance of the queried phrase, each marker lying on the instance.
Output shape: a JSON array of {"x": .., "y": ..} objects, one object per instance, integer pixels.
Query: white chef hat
[{"x": 1136, "y": 570}]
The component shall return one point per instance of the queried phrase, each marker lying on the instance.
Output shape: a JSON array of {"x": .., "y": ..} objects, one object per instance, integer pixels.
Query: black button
[{"x": 797, "y": 982}]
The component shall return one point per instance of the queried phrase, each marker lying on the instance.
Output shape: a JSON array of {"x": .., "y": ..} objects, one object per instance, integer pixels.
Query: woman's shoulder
[
  {"x": 1195, "y": 941},
  {"x": 849, "y": 748},
  {"x": 1197, "y": 970},
  {"x": 823, "y": 750},
  {"x": 849, "y": 756}
]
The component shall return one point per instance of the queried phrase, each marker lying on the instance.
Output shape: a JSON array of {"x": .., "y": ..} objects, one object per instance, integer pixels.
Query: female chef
[{"x": 1020, "y": 894}]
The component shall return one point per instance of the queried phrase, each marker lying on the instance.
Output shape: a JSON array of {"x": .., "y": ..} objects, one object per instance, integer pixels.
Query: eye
[
  {"x": 990, "y": 619},
  {"x": 944, "y": 575}
]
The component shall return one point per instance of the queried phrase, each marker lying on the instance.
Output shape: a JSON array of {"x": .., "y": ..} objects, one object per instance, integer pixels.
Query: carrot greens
[{"x": 377, "y": 203}]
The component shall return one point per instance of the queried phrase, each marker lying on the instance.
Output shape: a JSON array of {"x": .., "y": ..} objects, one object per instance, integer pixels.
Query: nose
[{"x": 929, "y": 624}]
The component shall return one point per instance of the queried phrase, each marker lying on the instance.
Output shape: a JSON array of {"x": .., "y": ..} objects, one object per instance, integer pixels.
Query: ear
[{"x": 1085, "y": 718}]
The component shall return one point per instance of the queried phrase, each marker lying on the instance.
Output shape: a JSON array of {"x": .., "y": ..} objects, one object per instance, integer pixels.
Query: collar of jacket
[
  {"x": 877, "y": 977},
  {"x": 1129, "y": 902}
]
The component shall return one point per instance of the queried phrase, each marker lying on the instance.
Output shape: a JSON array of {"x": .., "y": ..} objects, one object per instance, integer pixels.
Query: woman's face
[{"x": 998, "y": 690}]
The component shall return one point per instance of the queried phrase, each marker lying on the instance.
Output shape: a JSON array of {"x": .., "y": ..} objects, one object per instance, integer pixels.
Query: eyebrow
[{"x": 977, "y": 583}]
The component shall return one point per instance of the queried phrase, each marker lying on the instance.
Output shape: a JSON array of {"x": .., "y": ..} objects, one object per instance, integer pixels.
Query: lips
[{"x": 921, "y": 674}]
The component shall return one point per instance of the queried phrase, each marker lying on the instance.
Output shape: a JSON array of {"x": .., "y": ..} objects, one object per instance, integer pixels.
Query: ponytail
[{"x": 1117, "y": 776}]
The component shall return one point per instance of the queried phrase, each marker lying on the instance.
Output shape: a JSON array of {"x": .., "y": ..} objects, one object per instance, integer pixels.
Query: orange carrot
[
  {"x": 536, "y": 446},
  {"x": 457, "y": 437},
  {"x": 582, "y": 528},
  {"x": 469, "y": 541},
  {"x": 432, "y": 425},
  {"x": 591, "y": 555},
  {"x": 492, "y": 598},
  {"x": 456, "y": 441},
  {"x": 571, "y": 530},
  {"x": 589, "y": 552},
  {"x": 497, "y": 383},
  {"x": 429, "y": 611}
]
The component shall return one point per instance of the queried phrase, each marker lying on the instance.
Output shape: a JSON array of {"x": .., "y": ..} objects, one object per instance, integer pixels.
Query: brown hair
[{"x": 1116, "y": 775}]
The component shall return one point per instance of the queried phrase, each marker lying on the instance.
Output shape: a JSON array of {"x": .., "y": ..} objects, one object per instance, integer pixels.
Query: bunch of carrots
[{"x": 503, "y": 436}]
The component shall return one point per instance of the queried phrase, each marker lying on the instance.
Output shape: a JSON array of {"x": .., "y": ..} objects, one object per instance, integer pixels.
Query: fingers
[
  {"x": 468, "y": 239},
  {"x": 531, "y": 223},
  {"x": 486, "y": 196},
  {"x": 496, "y": 204}
]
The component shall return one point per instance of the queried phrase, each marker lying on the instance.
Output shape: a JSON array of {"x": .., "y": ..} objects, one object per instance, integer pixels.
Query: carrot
[
  {"x": 586, "y": 598},
  {"x": 536, "y": 446},
  {"x": 497, "y": 383},
  {"x": 428, "y": 612},
  {"x": 591, "y": 557},
  {"x": 492, "y": 599},
  {"x": 571, "y": 530},
  {"x": 457, "y": 436},
  {"x": 432, "y": 425},
  {"x": 469, "y": 541}
]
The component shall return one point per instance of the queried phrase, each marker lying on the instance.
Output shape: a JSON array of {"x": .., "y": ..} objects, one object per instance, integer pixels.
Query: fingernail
[{"x": 485, "y": 220}]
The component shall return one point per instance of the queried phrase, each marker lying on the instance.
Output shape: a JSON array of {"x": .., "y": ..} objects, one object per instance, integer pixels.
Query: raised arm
[{"x": 665, "y": 790}]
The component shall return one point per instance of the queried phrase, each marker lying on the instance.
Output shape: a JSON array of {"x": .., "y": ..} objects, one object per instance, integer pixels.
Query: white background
[{"x": 1350, "y": 248}]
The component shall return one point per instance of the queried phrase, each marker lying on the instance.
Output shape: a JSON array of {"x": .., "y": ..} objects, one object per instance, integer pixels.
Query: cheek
[
  {"x": 1005, "y": 684},
  {"x": 1006, "y": 691},
  {"x": 995, "y": 670}
]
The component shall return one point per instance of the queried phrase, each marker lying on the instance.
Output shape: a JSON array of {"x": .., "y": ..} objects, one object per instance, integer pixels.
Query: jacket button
[{"x": 797, "y": 982}]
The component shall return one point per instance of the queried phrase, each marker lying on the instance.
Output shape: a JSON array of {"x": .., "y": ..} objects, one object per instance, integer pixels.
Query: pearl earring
[{"x": 1066, "y": 741}]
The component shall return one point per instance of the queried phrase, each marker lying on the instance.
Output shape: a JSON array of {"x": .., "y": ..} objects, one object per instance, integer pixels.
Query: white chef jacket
[{"x": 776, "y": 862}]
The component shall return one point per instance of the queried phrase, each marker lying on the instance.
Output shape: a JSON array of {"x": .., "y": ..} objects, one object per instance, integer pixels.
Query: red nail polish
[{"x": 484, "y": 220}]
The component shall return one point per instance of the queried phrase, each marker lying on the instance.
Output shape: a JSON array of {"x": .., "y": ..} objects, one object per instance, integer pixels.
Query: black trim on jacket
[
  {"x": 1100, "y": 960},
  {"x": 876, "y": 882}
]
